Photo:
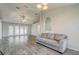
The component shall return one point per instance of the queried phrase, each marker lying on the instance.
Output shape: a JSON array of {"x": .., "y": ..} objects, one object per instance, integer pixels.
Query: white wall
[
  {"x": 0, "y": 30},
  {"x": 65, "y": 20}
]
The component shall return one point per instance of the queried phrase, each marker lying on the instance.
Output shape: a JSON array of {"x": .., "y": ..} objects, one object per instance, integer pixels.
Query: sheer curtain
[
  {"x": 21, "y": 30},
  {"x": 11, "y": 30},
  {"x": 25, "y": 30},
  {"x": 17, "y": 29}
]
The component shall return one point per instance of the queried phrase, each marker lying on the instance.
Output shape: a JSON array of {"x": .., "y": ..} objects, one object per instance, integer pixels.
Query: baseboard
[{"x": 73, "y": 49}]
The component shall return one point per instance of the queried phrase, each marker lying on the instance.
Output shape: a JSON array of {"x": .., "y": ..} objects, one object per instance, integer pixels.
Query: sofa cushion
[
  {"x": 43, "y": 35},
  {"x": 55, "y": 36},
  {"x": 47, "y": 35},
  {"x": 59, "y": 36},
  {"x": 51, "y": 36}
]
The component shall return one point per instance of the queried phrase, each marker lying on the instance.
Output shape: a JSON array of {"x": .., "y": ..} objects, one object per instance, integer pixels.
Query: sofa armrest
[{"x": 63, "y": 43}]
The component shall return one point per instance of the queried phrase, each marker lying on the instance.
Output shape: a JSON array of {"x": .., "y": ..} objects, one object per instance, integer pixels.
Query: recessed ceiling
[{"x": 9, "y": 10}]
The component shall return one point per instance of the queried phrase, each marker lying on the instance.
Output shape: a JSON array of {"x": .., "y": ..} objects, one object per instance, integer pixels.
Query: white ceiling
[{"x": 8, "y": 11}]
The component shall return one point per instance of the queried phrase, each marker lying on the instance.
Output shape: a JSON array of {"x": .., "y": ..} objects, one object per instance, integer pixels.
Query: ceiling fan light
[
  {"x": 39, "y": 6},
  {"x": 45, "y": 7}
]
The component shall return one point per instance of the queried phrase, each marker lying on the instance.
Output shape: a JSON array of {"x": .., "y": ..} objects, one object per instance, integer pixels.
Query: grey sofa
[{"x": 55, "y": 41}]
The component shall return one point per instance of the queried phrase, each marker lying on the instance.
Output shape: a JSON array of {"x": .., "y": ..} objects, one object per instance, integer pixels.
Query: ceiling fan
[{"x": 42, "y": 6}]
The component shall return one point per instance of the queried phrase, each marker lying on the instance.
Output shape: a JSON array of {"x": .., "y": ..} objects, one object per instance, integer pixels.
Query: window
[
  {"x": 16, "y": 30},
  {"x": 11, "y": 29},
  {"x": 25, "y": 31},
  {"x": 21, "y": 30}
]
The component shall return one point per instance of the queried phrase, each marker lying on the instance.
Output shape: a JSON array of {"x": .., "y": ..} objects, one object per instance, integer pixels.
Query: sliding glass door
[
  {"x": 17, "y": 29},
  {"x": 11, "y": 30},
  {"x": 25, "y": 30},
  {"x": 21, "y": 30}
]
